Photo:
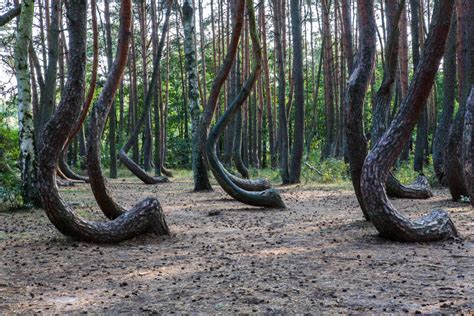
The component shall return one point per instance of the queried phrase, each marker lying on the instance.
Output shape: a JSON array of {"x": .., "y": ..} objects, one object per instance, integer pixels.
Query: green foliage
[
  {"x": 10, "y": 189},
  {"x": 326, "y": 171},
  {"x": 405, "y": 173}
]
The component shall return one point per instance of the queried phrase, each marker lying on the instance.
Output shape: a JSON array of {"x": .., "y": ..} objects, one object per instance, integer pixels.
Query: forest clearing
[
  {"x": 237, "y": 156},
  {"x": 223, "y": 257}
]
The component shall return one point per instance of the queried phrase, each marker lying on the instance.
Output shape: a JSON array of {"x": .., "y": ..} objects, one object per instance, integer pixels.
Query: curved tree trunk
[
  {"x": 420, "y": 189},
  {"x": 355, "y": 95},
  {"x": 221, "y": 76},
  {"x": 66, "y": 170},
  {"x": 270, "y": 197},
  {"x": 135, "y": 168},
  {"x": 449, "y": 92},
  {"x": 388, "y": 221},
  {"x": 142, "y": 218},
  {"x": 468, "y": 146},
  {"x": 248, "y": 184}
]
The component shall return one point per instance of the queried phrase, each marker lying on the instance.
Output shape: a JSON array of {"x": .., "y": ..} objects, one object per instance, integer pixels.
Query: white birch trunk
[{"x": 25, "y": 110}]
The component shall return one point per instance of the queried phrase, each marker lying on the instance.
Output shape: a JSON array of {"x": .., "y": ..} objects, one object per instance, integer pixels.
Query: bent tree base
[
  {"x": 146, "y": 216},
  {"x": 419, "y": 189},
  {"x": 138, "y": 171},
  {"x": 68, "y": 172},
  {"x": 389, "y": 222},
  {"x": 248, "y": 184},
  {"x": 268, "y": 197}
]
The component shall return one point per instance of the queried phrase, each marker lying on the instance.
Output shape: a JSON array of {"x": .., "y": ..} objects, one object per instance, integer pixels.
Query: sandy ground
[{"x": 225, "y": 257}]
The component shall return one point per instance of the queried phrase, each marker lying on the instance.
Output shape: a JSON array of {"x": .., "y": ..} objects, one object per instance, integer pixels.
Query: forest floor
[{"x": 226, "y": 257}]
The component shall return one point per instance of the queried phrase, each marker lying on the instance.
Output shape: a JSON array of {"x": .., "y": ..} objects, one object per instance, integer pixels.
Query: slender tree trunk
[
  {"x": 328, "y": 66},
  {"x": 267, "y": 90},
  {"x": 157, "y": 93},
  {"x": 147, "y": 137},
  {"x": 25, "y": 110},
  {"x": 48, "y": 93},
  {"x": 422, "y": 127},
  {"x": 279, "y": 20},
  {"x": 112, "y": 115},
  {"x": 298, "y": 135},
  {"x": 449, "y": 92},
  {"x": 133, "y": 166},
  {"x": 201, "y": 179}
]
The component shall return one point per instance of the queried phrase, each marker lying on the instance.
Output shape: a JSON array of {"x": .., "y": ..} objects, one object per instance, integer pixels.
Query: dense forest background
[{"x": 328, "y": 55}]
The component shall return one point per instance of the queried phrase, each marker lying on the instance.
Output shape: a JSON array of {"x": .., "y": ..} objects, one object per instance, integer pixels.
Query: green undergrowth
[{"x": 10, "y": 189}]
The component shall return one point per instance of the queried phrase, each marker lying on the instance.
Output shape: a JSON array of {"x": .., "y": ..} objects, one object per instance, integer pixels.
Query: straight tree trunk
[
  {"x": 48, "y": 93},
  {"x": 454, "y": 166},
  {"x": 328, "y": 67},
  {"x": 279, "y": 20},
  {"x": 298, "y": 135},
  {"x": 201, "y": 179},
  {"x": 147, "y": 137},
  {"x": 468, "y": 146},
  {"x": 112, "y": 115},
  {"x": 422, "y": 127},
  {"x": 25, "y": 110},
  {"x": 267, "y": 90},
  {"x": 449, "y": 94}
]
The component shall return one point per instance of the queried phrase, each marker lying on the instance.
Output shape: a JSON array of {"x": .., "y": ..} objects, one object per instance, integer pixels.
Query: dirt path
[{"x": 317, "y": 256}]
